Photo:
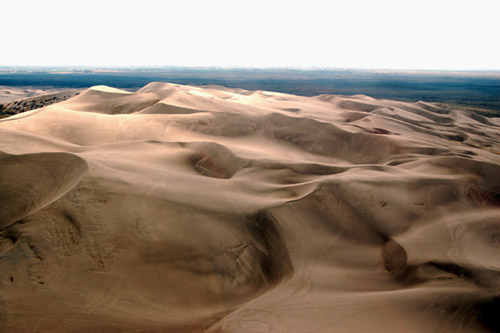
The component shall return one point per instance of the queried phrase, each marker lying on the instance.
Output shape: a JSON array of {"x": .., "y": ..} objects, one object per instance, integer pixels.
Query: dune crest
[{"x": 181, "y": 208}]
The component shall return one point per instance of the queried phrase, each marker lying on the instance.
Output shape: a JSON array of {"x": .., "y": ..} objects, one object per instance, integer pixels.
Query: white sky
[{"x": 437, "y": 34}]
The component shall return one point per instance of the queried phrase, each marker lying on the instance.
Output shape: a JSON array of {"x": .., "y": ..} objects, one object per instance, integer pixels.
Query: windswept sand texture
[{"x": 187, "y": 209}]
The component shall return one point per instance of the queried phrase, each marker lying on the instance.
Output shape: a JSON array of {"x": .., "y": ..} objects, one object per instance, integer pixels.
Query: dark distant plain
[{"x": 477, "y": 91}]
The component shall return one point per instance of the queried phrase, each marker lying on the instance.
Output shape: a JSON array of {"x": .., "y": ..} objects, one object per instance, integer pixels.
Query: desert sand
[
  {"x": 208, "y": 209},
  {"x": 14, "y": 100},
  {"x": 9, "y": 94}
]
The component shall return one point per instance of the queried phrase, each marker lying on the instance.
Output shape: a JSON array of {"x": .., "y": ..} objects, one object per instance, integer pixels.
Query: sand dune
[
  {"x": 8, "y": 94},
  {"x": 18, "y": 100},
  {"x": 191, "y": 209}
]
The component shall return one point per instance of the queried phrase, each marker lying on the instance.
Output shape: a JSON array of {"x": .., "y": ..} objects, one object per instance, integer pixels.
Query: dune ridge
[
  {"x": 30, "y": 99},
  {"x": 210, "y": 209}
]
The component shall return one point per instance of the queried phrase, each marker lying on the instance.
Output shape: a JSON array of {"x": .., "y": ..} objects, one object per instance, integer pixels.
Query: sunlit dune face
[{"x": 200, "y": 93}]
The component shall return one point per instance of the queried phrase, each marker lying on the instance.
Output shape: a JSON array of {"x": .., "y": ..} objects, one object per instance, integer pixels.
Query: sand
[
  {"x": 9, "y": 94},
  {"x": 15, "y": 100},
  {"x": 188, "y": 209}
]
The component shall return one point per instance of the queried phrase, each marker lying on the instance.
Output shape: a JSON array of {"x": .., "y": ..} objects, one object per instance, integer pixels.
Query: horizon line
[{"x": 305, "y": 68}]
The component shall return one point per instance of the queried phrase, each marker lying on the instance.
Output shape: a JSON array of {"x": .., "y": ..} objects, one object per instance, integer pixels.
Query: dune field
[
  {"x": 207, "y": 209},
  {"x": 9, "y": 94},
  {"x": 18, "y": 100}
]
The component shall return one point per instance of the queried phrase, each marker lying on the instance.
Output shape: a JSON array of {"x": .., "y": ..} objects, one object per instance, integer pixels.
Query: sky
[{"x": 376, "y": 34}]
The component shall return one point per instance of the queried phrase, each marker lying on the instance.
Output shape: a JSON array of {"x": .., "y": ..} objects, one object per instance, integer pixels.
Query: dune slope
[
  {"x": 187, "y": 209},
  {"x": 29, "y": 100}
]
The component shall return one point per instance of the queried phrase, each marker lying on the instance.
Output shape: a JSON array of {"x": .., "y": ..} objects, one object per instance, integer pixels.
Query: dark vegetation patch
[{"x": 32, "y": 103}]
